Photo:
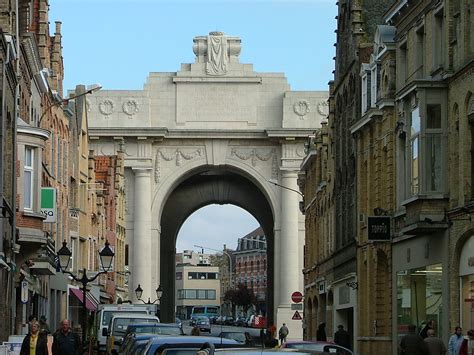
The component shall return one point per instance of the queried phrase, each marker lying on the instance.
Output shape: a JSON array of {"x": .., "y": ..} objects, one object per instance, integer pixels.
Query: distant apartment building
[
  {"x": 196, "y": 285},
  {"x": 251, "y": 265}
]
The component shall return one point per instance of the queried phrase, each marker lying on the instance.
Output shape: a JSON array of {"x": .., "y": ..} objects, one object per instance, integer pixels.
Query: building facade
[
  {"x": 251, "y": 266},
  {"x": 196, "y": 285}
]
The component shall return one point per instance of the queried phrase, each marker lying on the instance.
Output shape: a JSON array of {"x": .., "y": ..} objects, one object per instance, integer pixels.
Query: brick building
[{"x": 251, "y": 265}]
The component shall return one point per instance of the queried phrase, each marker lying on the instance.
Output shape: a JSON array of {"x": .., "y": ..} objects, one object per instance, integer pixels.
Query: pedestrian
[
  {"x": 412, "y": 343},
  {"x": 342, "y": 338},
  {"x": 469, "y": 343},
  {"x": 283, "y": 333},
  {"x": 424, "y": 330},
  {"x": 65, "y": 341},
  {"x": 455, "y": 341},
  {"x": 435, "y": 344},
  {"x": 35, "y": 343},
  {"x": 44, "y": 327},
  {"x": 195, "y": 331},
  {"x": 321, "y": 332}
]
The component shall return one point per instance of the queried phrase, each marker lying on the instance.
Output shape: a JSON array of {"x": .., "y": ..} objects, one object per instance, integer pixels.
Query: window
[
  {"x": 28, "y": 172},
  {"x": 201, "y": 294},
  {"x": 433, "y": 146},
  {"x": 373, "y": 85},
  {"x": 420, "y": 51},
  {"x": 365, "y": 88},
  {"x": 179, "y": 275},
  {"x": 53, "y": 153},
  {"x": 403, "y": 68},
  {"x": 438, "y": 43},
  {"x": 414, "y": 148}
]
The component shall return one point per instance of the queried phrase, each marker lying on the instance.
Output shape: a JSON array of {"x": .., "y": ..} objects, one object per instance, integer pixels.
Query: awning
[{"x": 91, "y": 302}]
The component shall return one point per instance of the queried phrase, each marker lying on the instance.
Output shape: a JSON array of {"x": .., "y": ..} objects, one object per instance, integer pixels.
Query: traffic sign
[
  {"x": 24, "y": 292},
  {"x": 297, "y": 316},
  {"x": 297, "y": 296}
]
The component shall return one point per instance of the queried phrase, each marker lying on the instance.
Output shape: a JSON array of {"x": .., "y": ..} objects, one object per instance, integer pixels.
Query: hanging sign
[
  {"x": 24, "y": 292},
  {"x": 48, "y": 204}
]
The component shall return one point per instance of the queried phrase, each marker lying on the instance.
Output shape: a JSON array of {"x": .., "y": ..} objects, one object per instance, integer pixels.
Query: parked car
[
  {"x": 131, "y": 342},
  {"x": 317, "y": 346},
  {"x": 203, "y": 324},
  {"x": 229, "y": 320},
  {"x": 240, "y": 322},
  {"x": 118, "y": 326},
  {"x": 178, "y": 322},
  {"x": 241, "y": 337},
  {"x": 169, "y": 345}
]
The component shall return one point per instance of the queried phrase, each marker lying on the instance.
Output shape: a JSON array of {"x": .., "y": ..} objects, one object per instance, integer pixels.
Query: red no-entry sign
[{"x": 297, "y": 296}]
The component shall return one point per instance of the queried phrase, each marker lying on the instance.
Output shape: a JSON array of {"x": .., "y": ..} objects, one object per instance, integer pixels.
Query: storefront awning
[{"x": 91, "y": 302}]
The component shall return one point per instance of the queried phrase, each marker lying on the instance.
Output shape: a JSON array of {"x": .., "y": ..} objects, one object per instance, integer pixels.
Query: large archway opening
[{"x": 205, "y": 186}]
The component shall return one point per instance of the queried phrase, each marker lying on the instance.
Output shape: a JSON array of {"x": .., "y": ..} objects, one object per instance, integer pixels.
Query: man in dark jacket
[
  {"x": 412, "y": 343},
  {"x": 342, "y": 337},
  {"x": 65, "y": 341},
  {"x": 35, "y": 342}
]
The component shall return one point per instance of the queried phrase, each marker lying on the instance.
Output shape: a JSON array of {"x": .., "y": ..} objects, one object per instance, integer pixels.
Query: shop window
[{"x": 419, "y": 297}]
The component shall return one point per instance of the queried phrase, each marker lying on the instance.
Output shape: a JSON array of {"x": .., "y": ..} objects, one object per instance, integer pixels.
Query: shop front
[
  {"x": 466, "y": 275},
  {"x": 420, "y": 285}
]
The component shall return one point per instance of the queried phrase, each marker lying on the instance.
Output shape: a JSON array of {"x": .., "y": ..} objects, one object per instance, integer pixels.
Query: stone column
[
  {"x": 289, "y": 241},
  {"x": 141, "y": 267},
  {"x": 290, "y": 272}
]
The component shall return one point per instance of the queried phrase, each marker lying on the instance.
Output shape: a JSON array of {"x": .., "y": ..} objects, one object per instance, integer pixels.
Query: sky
[{"x": 117, "y": 43}]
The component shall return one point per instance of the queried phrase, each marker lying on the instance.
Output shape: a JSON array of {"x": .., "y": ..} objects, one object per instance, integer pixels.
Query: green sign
[{"x": 48, "y": 204}]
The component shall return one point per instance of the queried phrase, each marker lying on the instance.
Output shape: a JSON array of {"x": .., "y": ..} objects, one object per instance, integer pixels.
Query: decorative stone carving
[
  {"x": 217, "y": 57},
  {"x": 88, "y": 105},
  {"x": 323, "y": 108},
  {"x": 130, "y": 107},
  {"x": 106, "y": 107},
  {"x": 255, "y": 154},
  {"x": 173, "y": 154},
  {"x": 301, "y": 108}
]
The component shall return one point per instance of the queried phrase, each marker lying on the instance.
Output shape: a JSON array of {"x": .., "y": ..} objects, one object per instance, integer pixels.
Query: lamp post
[
  {"x": 274, "y": 182},
  {"x": 106, "y": 256},
  {"x": 92, "y": 88},
  {"x": 139, "y": 293}
]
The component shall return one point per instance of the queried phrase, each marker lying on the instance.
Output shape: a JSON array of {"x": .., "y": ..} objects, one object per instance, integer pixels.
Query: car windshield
[
  {"x": 108, "y": 315},
  {"x": 121, "y": 324}
]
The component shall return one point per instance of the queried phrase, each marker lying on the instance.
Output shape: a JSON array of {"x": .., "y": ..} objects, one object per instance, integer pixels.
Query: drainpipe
[{"x": 15, "y": 150}]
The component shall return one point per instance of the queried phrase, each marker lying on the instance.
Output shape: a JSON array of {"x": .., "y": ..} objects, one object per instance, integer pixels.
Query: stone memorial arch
[{"x": 213, "y": 132}]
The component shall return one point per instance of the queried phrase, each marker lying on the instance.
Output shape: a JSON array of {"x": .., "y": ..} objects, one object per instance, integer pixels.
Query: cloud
[{"x": 215, "y": 225}]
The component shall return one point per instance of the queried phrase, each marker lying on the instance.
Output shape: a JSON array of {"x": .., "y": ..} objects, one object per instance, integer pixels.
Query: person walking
[
  {"x": 44, "y": 327},
  {"x": 412, "y": 343},
  {"x": 341, "y": 337},
  {"x": 65, "y": 341},
  {"x": 321, "y": 332},
  {"x": 283, "y": 333},
  {"x": 195, "y": 331},
  {"x": 36, "y": 342},
  {"x": 455, "y": 342},
  {"x": 435, "y": 344},
  {"x": 424, "y": 331}
]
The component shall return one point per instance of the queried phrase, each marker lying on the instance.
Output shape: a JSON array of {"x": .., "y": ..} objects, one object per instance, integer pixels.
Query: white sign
[{"x": 24, "y": 292}]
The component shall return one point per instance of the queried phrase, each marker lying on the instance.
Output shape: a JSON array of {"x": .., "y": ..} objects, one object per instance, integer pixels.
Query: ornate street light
[
  {"x": 139, "y": 293},
  {"x": 106, "y": 256}
]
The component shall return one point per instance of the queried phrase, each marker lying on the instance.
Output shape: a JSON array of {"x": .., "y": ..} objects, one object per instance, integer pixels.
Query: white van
[
  {"x": 118, "y": 326},
  {"x": 105, "y": 312}
]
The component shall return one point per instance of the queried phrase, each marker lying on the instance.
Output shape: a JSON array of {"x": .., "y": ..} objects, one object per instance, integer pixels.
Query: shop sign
[
  {"x": 378, "y": 228},
  {"x": 48, "y": 204}
]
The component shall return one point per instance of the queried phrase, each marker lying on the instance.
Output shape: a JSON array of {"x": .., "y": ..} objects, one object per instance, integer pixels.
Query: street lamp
[
  {"x": 106, "y": 256},
  {"x": 302, "y": 207},
  {"x": 92, "y": 88},
  {"x": 139, "y": 293}
]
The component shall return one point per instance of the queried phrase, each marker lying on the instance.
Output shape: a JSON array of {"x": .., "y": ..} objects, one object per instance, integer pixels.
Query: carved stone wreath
[
  {"x": 323, "y": 108},
  {"x": 106, "y": 107},
  {"x": 130, "y": 107},
  {"x": 301, "y": 108}
]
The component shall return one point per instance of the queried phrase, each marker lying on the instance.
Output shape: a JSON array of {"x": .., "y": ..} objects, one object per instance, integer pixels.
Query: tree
[{"x": 241, "y": 296}]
